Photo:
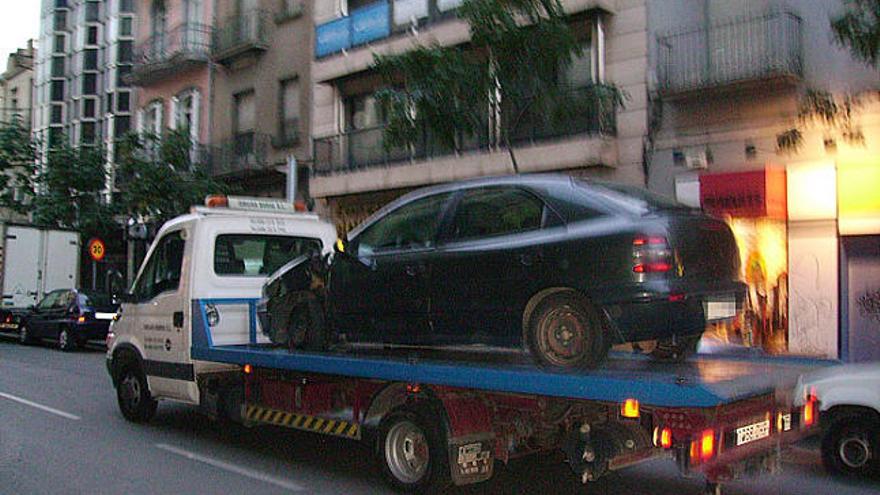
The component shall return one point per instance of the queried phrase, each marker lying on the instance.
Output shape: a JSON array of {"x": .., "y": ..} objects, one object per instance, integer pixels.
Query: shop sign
[{"x": 751, "y": 194}]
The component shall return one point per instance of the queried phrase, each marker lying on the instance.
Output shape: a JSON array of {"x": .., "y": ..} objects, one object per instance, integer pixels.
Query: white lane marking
[
  {"x": 40, "y": 407},
  {"x": 256, "y": 475}
]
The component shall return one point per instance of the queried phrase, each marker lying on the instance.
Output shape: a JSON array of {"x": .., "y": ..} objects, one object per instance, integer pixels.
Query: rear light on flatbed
[
  {"x": 630, "y": 409},
  {"x": 810, "y": 412},
  {"x": 663, "y": 437},
  {"x": 703, "y": 448}
]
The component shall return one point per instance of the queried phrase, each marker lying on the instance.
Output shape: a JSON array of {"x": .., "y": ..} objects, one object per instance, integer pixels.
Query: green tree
[
  {"x": 18, "y": 155},
  {"x": 510, "y": 71},
  {"x": 160, "y": 177},
  {"x": 858, "y": 28},
  {"x": 68, "y": 190}
]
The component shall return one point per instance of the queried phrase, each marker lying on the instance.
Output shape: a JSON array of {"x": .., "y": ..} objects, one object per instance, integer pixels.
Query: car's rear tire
[
  {"x": 851, "y": 446},
  {"x": 24, "y": 335},
  {"x": 133, "y": 393},
  {"x": 676, "y": 350},
  {"x": 411, "y": 450},
  {"x": 66, "y": 341},
  {"x": 566, "y": 332}
]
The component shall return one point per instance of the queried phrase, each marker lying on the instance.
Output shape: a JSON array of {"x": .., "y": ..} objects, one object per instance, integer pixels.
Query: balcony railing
[
  {"x": 365, "y": 148},
  {"x": 248, "y": 151},
  {"x": 173, "y": 50},
  {"x": 241, "y": 34},
  {"x": 757, "y": 48}
]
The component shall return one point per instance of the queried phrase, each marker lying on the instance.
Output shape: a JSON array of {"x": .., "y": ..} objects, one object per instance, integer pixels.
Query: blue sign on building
[
  {"x": 370, "y": 23},
  {"x": 333, "y": 36}
]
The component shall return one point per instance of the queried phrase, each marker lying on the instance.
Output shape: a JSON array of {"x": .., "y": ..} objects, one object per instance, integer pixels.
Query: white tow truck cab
[{"x": 224, "y": 250}]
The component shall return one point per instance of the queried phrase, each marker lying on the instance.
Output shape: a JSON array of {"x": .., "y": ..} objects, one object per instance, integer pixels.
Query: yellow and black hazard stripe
[{"x": 337, "y": 428}]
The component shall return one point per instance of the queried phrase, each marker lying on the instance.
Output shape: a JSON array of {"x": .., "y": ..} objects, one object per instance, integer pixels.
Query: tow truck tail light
[
  {"x": 663, "y": 437},
  {"x": 810, "y": 411},
  {"x": 651, "y": 254},
  {"x": 630, "y": 409},
  {"x": 703, "y": 447}
]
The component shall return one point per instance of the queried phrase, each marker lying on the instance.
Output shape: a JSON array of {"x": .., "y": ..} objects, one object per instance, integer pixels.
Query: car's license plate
[
  {"x": 104, "y": 316},
  {"x": 752, "y": 432},
  {"x": 719, "y": 308}
]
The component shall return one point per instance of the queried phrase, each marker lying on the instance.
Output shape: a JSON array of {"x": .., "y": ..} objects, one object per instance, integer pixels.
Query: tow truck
[{"x": 188, "y": 332}]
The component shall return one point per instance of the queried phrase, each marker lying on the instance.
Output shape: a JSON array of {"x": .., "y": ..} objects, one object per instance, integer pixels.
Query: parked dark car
[
  {"x": 70, "y": 317},
  {"x": 563, "y": 267}
]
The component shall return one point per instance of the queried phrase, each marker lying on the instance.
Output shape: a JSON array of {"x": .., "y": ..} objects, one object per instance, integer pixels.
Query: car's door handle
[
  {"x": 526, "y": 259},
  {"x": 177, "y": 319}
]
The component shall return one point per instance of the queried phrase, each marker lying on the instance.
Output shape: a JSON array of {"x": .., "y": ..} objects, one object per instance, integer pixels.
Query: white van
[{"x": 223, "y": 251}]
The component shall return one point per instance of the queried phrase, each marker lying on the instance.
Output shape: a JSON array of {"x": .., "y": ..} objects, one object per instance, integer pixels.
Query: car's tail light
[{"x": 651, "y": 254}]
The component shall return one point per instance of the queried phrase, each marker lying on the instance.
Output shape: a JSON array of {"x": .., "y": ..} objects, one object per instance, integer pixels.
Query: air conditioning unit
[{"x": 695, "y": 159}]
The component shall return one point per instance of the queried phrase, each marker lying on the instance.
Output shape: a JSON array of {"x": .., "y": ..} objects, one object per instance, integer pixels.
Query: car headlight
[{"x": 212, "y": 314}]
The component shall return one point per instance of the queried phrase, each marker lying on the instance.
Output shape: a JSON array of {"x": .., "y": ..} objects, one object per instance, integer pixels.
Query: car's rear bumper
[
  {"x": 674, "y": 310},
  {"x": 94, "y": 330}
]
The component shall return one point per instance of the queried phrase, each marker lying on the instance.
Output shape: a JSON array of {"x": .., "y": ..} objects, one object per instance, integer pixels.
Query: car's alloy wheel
[
  {"x": 565, "y": 332},
  {"x": 24, "y": 335},
  {"x": 65, "y": 340}
]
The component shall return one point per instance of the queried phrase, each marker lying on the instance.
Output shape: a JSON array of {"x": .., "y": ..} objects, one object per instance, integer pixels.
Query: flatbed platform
[{"x": 702, "y": 381}]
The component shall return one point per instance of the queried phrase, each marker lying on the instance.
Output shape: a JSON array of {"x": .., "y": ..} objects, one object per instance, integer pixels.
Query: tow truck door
[{"x": 158, "y": 316}]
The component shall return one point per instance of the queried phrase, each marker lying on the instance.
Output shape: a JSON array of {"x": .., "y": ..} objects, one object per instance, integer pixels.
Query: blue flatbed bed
[{"x": 704, "y": 381}]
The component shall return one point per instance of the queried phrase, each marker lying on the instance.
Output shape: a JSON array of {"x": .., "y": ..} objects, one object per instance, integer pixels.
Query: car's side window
[
  {"x": 65, "y": 299},
  {"x": 413, "y": 225},
  {"x": 50, "y": 300},
  {"x": 162, "y": 271},
  {"x": 496, "y": 211}
]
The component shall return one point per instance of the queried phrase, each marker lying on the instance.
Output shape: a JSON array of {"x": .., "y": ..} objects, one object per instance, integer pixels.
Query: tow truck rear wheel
[
  {"x": 566, "y": 332},
  {"x": 411, "y": 450},
  {"x": 133, "y": 394},
  {"x": 851, "y": 446}
]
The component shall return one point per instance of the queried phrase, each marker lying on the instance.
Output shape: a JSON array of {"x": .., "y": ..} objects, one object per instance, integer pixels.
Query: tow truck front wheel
[
  {"x": 133, "y": 394},
  {"x": 412, "y": 452},
  {"x": 851, "y": 447}
]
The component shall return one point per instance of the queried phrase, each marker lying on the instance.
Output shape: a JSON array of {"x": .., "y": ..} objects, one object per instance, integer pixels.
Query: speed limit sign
[{"x": 96, "y": 249}]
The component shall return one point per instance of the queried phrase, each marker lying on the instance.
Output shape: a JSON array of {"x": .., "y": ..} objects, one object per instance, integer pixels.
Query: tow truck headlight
[{"x": 212, "y": 314}]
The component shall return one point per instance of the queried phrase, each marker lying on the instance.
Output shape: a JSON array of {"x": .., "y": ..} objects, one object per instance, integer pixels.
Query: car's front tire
[
  {"x": 66, "y": 340},
  {"x": 851, "y": 445},
  {"x": 566, "y": 332},
  {"x": 24, "y": 335},
  {"x": 306, "y": 328},
  {"x": 133, "y": 394}
]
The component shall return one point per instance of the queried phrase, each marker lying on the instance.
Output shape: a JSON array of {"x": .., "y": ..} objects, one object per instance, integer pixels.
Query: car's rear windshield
[
  {"x": 95, "y": 299},
  {"x": 254, "y": 255},
  {"x": 630, "y": 197}
]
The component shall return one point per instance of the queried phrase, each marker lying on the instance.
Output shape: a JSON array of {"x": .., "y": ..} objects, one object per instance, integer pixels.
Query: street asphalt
[{"x": 61, "y": 433}]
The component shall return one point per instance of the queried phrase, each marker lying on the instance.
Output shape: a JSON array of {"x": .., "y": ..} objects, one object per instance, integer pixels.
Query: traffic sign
[{"x": 96, "y": 249}]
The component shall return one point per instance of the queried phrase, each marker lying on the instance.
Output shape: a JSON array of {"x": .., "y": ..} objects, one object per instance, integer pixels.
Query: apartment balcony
[
  {"x": 739, "y": 53},
  {"x": 585, "y": 116},
  {"x": 241, "y": 35},
  {"x": 173, "y": 51},
  {"x": 243, "y": 153}
]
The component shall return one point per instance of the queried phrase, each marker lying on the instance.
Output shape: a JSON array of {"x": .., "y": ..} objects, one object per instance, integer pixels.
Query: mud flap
[{"x": 471, "y": 460}]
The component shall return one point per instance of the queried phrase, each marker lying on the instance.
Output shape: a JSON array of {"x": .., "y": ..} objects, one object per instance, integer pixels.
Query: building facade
[
  {"x": 81, "y": 89},
  {"x": 728, "y": 80},
  {"x": 260, "y": 107},
  {"x": 16, "y": 86},
  {"x": 172, "y": 68},
  {"x": 353, "y": 173}
]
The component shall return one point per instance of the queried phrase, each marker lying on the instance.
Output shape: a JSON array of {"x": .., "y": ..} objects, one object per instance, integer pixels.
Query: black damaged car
[{"x": 559, "y": 266}]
